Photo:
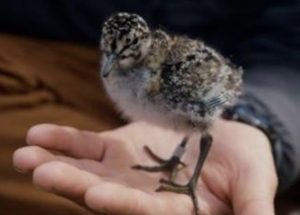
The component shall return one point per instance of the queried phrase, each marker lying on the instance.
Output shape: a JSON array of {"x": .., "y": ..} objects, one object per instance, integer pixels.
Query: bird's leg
[
  {"x": 191, "y": 187},
  {"x": 172, "y": 164}
]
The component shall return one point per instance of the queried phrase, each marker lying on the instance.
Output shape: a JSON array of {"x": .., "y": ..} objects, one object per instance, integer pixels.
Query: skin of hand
[{"x": 94, "y": 169}]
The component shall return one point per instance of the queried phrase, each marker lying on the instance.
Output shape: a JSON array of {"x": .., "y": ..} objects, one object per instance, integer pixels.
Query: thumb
[{"x": 255, "y": 195}]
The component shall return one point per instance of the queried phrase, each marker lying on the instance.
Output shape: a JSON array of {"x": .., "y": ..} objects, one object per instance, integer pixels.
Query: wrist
[{"x": 253, "y": 112}]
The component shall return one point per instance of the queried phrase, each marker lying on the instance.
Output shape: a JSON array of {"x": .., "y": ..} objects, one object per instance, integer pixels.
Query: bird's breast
[{"x": 128, "y": 91}]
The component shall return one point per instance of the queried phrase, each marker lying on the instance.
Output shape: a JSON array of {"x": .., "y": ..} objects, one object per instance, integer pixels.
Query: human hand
[{"x": 94, "y": 170}]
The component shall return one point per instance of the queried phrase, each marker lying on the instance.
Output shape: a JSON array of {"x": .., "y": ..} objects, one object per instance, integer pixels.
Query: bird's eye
[
  {"x": 122, "y": 57},
  {"x": 127, "y": 40},
  {"x": 134, "y": 41}
]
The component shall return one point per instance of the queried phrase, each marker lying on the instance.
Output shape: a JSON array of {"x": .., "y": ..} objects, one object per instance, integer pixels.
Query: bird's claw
[
  {"x": 188, "y": 189},
  {"x": 171, "y": 165}
]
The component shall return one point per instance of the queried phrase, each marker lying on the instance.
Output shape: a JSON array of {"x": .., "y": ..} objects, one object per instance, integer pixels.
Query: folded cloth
[{"x": 45, "y": 82}]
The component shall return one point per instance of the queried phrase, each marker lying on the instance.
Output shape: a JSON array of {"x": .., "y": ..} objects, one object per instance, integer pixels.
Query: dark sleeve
[
  {"x": 271, "y": 59},
  {"x": 67, "y": 20},
  {"x": 80, "y": 21}
]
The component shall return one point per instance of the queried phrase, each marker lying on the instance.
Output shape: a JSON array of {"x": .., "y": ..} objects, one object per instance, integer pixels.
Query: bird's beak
[{"x": 108, "y": 65}]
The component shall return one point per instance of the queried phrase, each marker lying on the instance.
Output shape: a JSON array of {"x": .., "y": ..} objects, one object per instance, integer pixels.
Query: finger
[
  {"x": 117, "y": 199},
  {"x": 255, "y": 196},
  {"x": 63, "y": 179},
  {"x": 70, "y": 141},
  {"x": 113, "y": 198},
  {"x": 26, "y": 159}
]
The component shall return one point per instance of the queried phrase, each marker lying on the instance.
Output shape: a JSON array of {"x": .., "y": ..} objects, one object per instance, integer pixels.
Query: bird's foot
[
  {"x": 191, "y": 187},
  {"x": 188, "y": 189},
  {"x": 172, "y": 165}
]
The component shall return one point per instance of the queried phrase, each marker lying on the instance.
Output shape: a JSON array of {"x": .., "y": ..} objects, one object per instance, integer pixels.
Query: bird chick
[{"x": 169, "y": 80}]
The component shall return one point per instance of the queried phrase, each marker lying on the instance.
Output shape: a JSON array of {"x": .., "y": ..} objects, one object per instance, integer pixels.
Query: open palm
[{"x": 95, "y": 171}]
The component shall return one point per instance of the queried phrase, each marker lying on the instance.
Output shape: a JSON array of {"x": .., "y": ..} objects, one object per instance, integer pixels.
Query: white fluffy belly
[{"x": 130, "y": 97}]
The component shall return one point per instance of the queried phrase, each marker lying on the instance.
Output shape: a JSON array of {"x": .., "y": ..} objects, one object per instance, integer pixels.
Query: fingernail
[{"x": 19, "y": 170}]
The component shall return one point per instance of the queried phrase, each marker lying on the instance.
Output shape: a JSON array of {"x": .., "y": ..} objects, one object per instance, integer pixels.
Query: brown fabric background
[
  {"x": 40, "y": 82},
  {"x": 43, "y": 81}
]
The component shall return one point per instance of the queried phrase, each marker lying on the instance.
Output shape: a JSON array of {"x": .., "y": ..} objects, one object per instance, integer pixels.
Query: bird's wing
[{"x": 217, "y": 101}]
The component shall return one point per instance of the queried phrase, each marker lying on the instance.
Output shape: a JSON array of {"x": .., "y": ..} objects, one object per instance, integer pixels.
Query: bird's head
[{"x": 125, "y": 41}]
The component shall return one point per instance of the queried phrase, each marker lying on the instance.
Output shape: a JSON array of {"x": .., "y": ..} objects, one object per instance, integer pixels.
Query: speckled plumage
[
  {"x": 168, "y": 80},
  {"x": 179, "y": 82}
]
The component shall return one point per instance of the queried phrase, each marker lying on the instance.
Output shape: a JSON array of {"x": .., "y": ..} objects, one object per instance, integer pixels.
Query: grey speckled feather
[{"x": 167, "y": 79}]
